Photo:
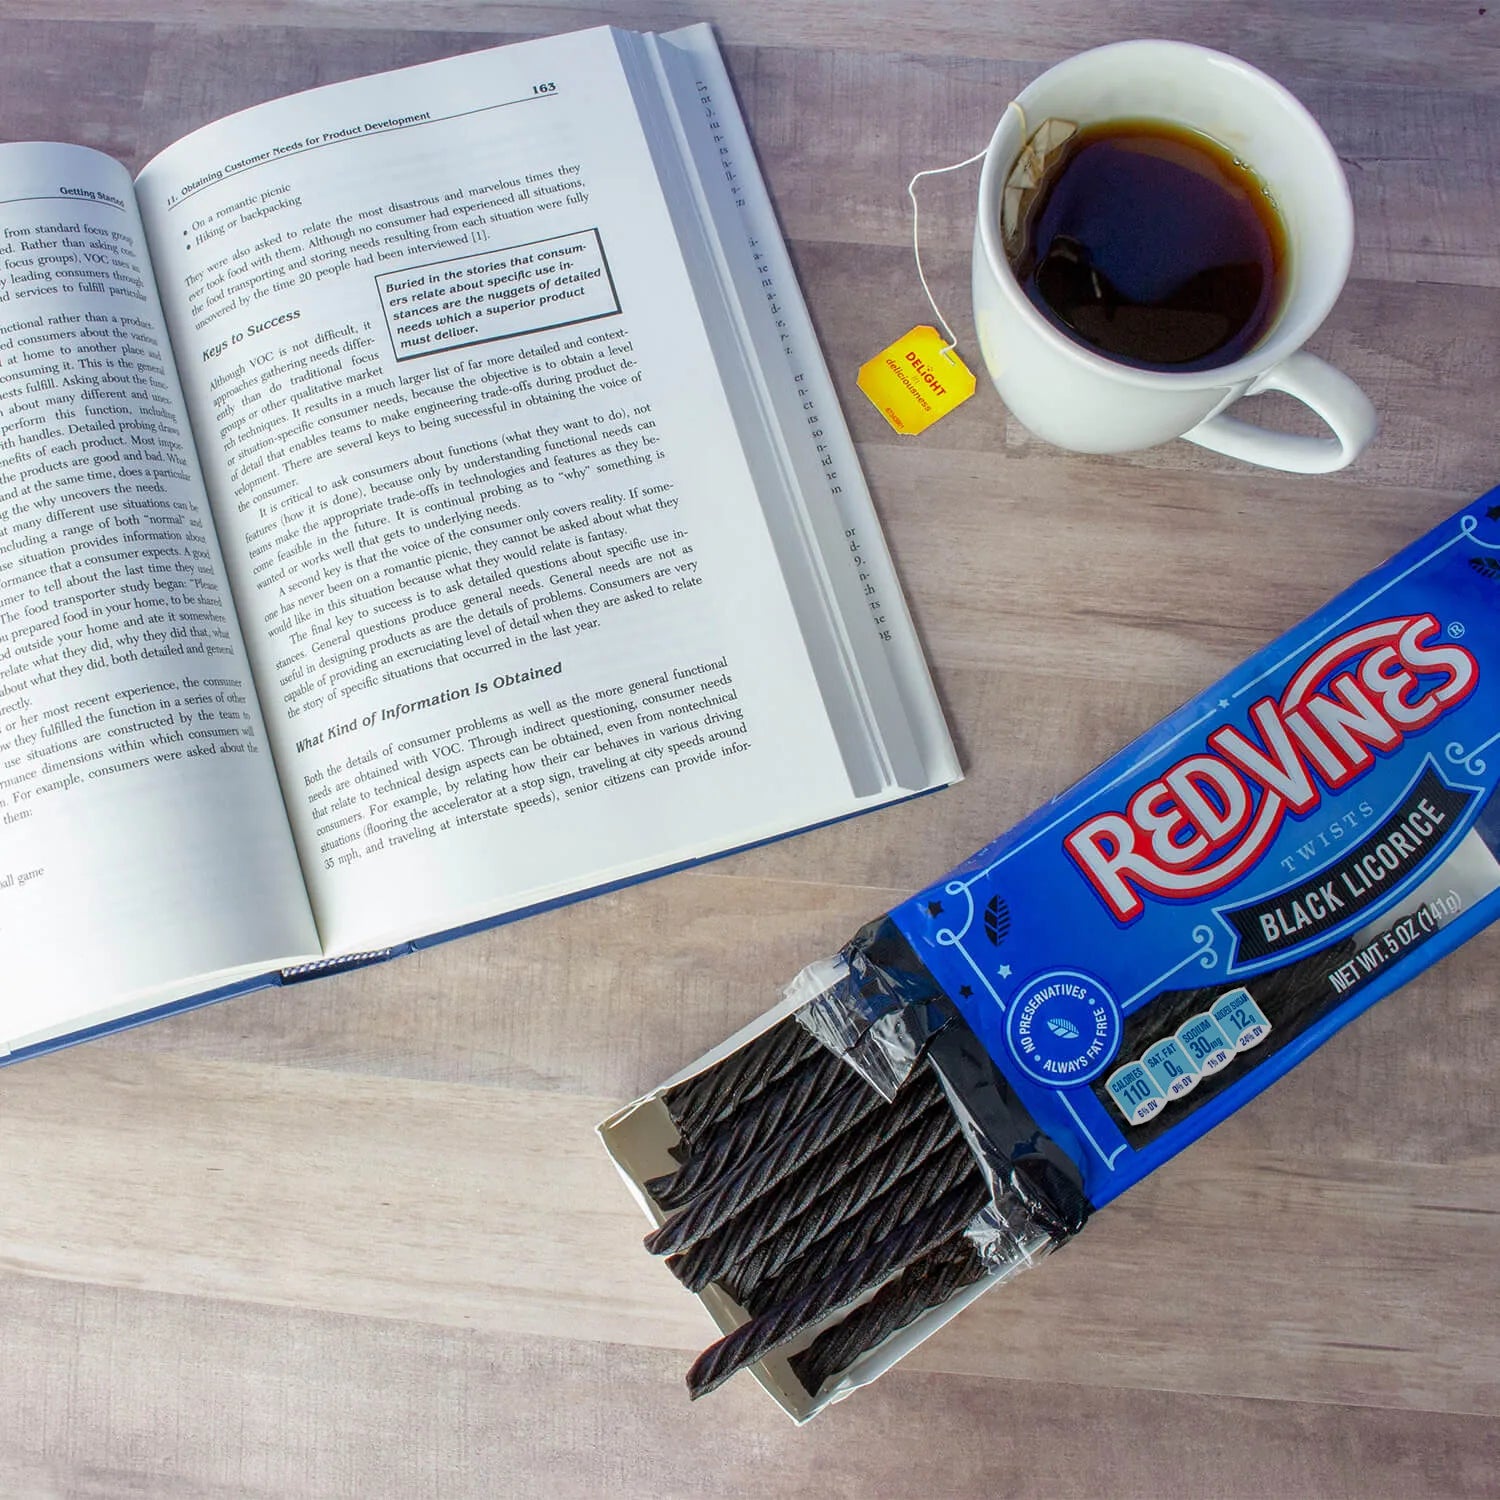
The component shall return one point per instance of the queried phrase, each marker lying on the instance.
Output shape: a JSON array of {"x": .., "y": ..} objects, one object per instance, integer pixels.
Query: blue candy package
[
  {"x": 1097, "y": 987},
  {"x": 1160, "y": 943}
]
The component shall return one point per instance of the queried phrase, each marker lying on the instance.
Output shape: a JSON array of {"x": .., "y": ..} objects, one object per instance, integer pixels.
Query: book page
[
  {"x": 143, "y": 841},
  {"x": 515, "y": 614}
]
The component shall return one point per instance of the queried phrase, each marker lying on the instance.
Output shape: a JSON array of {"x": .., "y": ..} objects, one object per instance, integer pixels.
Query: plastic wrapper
[{"x": 1055, "y": 1018}]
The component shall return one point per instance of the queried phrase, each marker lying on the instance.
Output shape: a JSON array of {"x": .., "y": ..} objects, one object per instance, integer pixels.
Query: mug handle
[{"x": 1316, "y": 383}]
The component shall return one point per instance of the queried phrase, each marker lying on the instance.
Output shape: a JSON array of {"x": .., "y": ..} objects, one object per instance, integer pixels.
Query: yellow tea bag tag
[{"x": 916, "y": 380}]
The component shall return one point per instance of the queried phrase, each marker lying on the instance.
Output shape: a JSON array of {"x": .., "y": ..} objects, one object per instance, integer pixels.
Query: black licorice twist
[
  {"x": 908, "y": 1199},
  {"x": 785, "y": 1321},
  {"x": 748, "y": 1130},
  {"x": 834, "y": 1184},
  {"x": 913, "y": 1149},
  {"x": 703, "y": 1102},
  {"x": 774, "y": 1070},
  {"x": 923, "y": 1285},
  {"x": 763, "y": 1171}
]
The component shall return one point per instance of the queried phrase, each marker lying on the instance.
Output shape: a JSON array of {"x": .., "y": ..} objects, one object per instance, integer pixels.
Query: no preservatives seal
[{"x": 1063, "y": 1028}]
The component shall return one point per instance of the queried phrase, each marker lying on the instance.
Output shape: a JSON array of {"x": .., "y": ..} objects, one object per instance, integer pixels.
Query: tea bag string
[{"x": 916, "y": 244}]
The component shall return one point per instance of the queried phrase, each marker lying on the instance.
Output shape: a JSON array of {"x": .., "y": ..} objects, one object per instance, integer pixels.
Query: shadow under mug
[{"x": 1078, "y": 399}]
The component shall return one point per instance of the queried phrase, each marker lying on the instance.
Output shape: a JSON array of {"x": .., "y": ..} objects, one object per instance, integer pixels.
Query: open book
[{"x": 424, "y": 501}]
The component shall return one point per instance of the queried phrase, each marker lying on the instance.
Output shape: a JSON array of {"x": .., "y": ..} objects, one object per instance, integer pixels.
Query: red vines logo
[{"x": 1209, "y": 819}]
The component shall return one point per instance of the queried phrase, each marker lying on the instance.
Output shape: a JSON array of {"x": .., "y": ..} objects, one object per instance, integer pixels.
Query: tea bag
[{"x": 1037, "y": 158}]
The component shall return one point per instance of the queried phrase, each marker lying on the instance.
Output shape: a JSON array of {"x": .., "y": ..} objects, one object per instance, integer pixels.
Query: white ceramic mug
[{"x": 1070, "y": 395}]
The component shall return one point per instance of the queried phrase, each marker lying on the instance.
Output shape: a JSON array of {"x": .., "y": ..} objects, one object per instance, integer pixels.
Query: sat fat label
[{"x": 1271, "y": 859}]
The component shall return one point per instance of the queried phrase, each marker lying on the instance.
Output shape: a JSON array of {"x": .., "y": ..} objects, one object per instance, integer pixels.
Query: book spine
[{"x": 321, "y": 967}]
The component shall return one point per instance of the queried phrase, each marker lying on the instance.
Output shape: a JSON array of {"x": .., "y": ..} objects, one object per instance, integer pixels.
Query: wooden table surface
[{"x": 357, "y": 1238}]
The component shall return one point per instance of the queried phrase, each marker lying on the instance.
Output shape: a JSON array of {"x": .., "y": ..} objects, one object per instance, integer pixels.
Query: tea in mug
[{"x": 1153, "y": 245}]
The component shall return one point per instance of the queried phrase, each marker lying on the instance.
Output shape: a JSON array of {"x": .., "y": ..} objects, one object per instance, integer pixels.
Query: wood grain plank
[
  {"x": 1424, "y": 186},
  {"x": 111, "y": 1394},
  {"x": 495, "y": 1209},
  {"x": 604, "y": 1000},
  {"x": 1427, "y": 42},
  {"x": 1427, "y": 355},
  {"x": 1425, "y": 189}
]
